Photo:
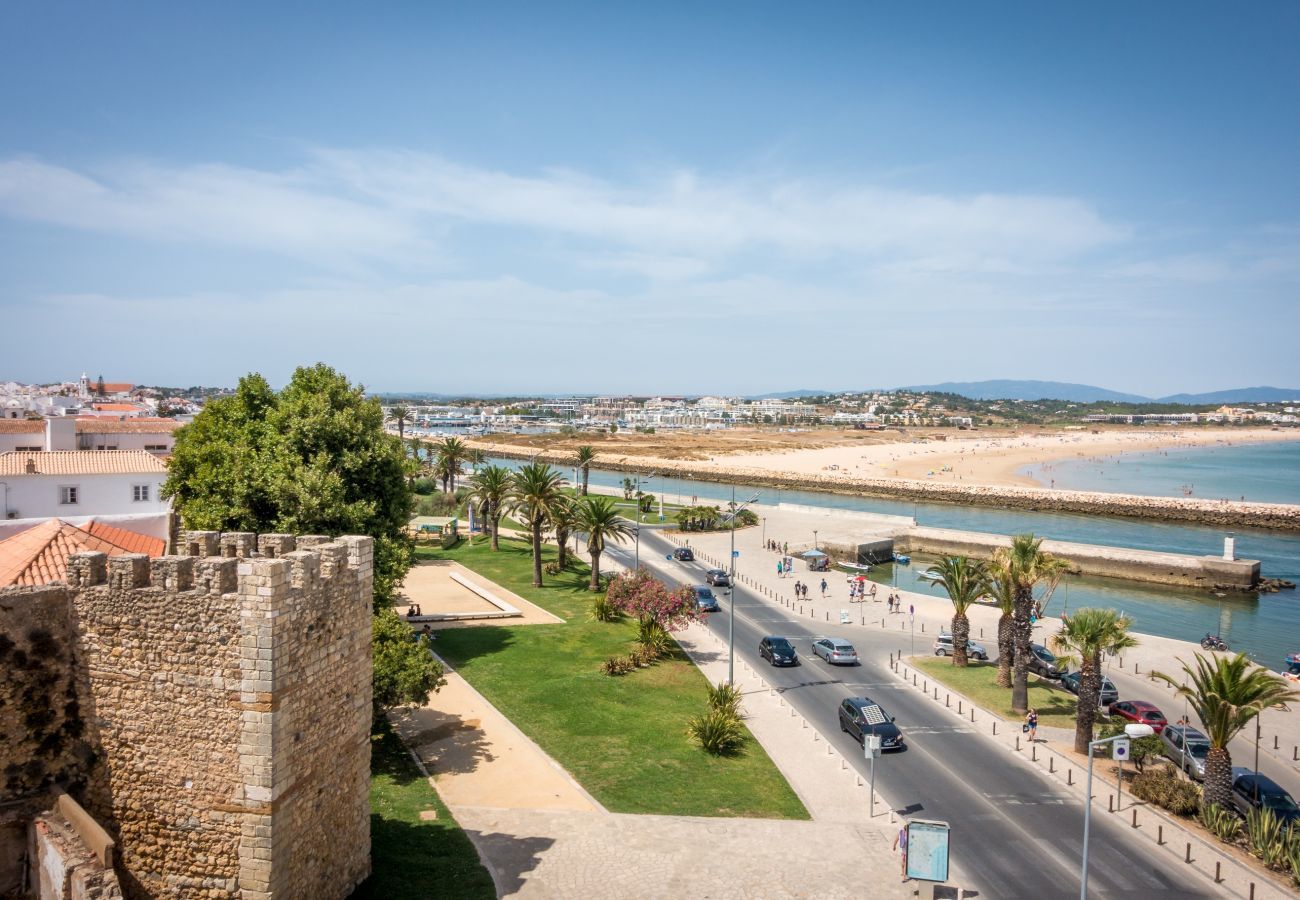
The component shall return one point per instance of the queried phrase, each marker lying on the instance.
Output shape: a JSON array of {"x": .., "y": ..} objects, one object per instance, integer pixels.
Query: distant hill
[
  {"x": 1238, "y": 395},
  {"x": 1028, "y": 390},
  {"x": 792, "y": 395}
]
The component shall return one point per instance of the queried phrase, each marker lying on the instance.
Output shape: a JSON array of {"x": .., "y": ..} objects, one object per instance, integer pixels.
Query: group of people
[
  {"x": 858, "y": 592},
  {"x": 413, "y": 610},
  {"x": 895, "y": 602},
  {"x": 784, "y": 566},
  {"x": 801, "y": 590},
  {"x": 778, "y": 547}
]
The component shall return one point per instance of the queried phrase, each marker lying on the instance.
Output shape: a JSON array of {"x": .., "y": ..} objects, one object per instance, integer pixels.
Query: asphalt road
[{"x": 1014, "y": 834}]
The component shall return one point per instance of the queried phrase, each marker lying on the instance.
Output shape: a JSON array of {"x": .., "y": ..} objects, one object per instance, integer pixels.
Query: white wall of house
[
  {"x": 154, "y": 442},
  {"x": 44, "y": 496},
  {"x": 21, "y": 441}
]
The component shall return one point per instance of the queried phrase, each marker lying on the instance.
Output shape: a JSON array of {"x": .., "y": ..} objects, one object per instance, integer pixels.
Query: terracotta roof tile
[
  {"x": 81, "y": 462},
  {"x": 129, "y": 541},
  {"x": 40, "y": 554},
  {"x": 115, "y": 387},
  {"x": 118, "y": 407},
  {"x": 22, "y": 426}
]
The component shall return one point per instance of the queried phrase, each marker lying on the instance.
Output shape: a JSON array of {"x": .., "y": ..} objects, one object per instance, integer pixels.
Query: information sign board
[{"x": 927, "y": 850}]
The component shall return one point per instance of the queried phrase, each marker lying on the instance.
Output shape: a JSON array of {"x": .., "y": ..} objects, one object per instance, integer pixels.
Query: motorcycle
[{"x": 1213, "y": 642}]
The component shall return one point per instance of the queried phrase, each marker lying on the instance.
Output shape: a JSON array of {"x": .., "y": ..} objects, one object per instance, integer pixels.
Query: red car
[{"x": 1140, "y": 711}]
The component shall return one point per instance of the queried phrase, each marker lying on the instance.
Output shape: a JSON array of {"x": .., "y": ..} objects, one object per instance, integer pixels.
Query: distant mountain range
[{"x": 1087, "y": 393}]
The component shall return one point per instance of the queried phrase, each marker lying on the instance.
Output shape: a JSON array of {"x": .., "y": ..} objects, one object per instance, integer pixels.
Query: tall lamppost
[
  {"x": 639, "y": 515},
  {"x": 1135, "y": 730},
  {"x": 731, "y": 587}
]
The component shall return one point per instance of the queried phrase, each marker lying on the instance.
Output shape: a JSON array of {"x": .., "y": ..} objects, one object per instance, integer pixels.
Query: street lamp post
[
  {"x": 639, "y": 517},
  {"x": 731, "y": 588},
  {"x": 1135, "y": 730}
]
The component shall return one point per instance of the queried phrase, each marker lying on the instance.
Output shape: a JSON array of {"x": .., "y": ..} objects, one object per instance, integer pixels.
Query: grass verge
[
  {"x": 411, "y": 857},
  {"x": 623, "y": 738},
  {"x": 978, "y": 682}
]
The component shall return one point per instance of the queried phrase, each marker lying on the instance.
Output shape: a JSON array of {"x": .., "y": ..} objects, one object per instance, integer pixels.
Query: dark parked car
[
  {"x": 717, "y": 578},
  {"x": 1070, "y": 681},
  {"x": 1252, "y": 790},
  {"x": 860, "y": 716},
  {"x": 1141, "y": 712},
  {"x": 836, "y": 650},
  {"x": 1043, "y": 662},
  {"x": 1188, "y": 748},
  {"x": 684, "y": 554},
  {"x": 778, "y": 651},
  {"x": 704, "y": 597}
]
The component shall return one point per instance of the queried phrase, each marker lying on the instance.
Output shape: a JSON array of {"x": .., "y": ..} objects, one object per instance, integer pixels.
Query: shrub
[
  {"x": 725, "y": 698},
  {"x": 1267, "y": 837},
  {"x": 603, "y": 611},
  {"x": 1222, "y": 822},
  {"x": 1164, "y": 787},
  {"x": 552, "y": 568},
  {"x": 637, "y": 659},
  {"x": 655, "y": 642},
  {"x": 718, "y": 733},
  {"x": 616, "y": 665},
  {"x": 1293, "y": 856}
]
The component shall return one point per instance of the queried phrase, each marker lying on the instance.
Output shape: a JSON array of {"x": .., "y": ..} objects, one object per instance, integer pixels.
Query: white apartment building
[
  {"x": 79, "y": 483},
  {"x": 157, "y": 436}
]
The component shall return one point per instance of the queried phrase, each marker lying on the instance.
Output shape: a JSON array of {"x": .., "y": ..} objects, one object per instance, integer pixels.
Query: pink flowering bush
[{"x": 650, "y": 600}]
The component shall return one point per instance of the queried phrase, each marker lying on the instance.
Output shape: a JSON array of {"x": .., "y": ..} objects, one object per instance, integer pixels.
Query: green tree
[
  {"x": 628, "y": 487},
  {"x": 475, "y": 458},
  {"x": 311, "y": 459},
  {"x": 401, "y": 415},
  {"x": 1083, "y": 638},
  {"x": 490, "y": 488},
  {"x": 965, "y": 580},
  {"x": 404, "y": 669},
  {"x": 600, "y": 519},
  {"x": 535, "y": 490},
  {"x": 563, "y": 517},
  {"x": 1003, "y": 593},
  {"x": 586, "y": 456},
  {"x": 451, "y": 453},
  {"x": 1226, "y": 695},
  {"x": 1022, "y": 567}
]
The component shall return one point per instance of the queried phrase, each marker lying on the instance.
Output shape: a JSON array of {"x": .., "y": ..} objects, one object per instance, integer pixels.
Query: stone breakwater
[{"x": 1226, "y": 514}]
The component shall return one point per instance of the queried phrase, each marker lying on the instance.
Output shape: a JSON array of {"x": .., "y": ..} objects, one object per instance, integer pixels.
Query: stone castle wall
[{"x": 226, "y": 695}]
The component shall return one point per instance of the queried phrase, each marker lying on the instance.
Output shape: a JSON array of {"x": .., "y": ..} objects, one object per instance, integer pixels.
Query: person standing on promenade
[
  {"x": 1031, "y": 725},
  {"x": 900, "y": 844},
  {"x": 823, "y": 588}
]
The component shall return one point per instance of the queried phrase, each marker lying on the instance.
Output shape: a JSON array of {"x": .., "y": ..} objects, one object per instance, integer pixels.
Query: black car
[
  {"x": 704, "y": 597},
  {"x": 1108, "y": 695},
  {"x": 1252, "y": 790},
  {"x": 860, "y": 716},
  {"x": 717, "y": 578},
  {"x": 683, "y": 554},
  {"x": 778, "y": 651}
]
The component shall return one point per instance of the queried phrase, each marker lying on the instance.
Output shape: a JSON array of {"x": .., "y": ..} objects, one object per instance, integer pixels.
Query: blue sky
[{"x": 589, "y": 198}]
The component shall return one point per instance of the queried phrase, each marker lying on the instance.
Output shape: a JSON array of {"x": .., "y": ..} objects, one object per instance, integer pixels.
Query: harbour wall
[{"x": 1223, "y": 514}]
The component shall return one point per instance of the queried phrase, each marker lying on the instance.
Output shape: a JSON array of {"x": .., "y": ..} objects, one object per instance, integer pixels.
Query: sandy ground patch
[{"x": 429, "y": 585}]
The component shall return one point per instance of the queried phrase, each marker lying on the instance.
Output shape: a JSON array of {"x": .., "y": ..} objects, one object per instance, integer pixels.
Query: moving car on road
[
  {"x": 1141, "y": 712},
  {"x": 943, "y": 647},
  {"x": 704, "y": 597},
  {"x": 778, "y": 651},
  {"x": 1043, "y": 662},
  {"x": 860, "y": 716},
  {"x": 717, "y": 578},
  {"x": 1188, "y": 749},
  {"x": 1253, "y": 790},
  {"x": 684, "y": 554},
  {"x": 1071, "y": 681},
  {"x": 836, "y": 651}
]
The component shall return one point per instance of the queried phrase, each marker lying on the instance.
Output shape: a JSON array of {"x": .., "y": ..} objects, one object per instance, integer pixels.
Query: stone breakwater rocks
[{"x": 1219, "y": 513}]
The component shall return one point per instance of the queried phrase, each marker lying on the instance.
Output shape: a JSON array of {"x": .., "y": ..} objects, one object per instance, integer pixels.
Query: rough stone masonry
[{"x": 211, "y": 710}]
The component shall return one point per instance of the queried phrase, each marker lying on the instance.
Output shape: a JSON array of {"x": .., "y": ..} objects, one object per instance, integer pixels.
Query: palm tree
[
  {"x": 535, "y": 491},
  {"x": 475, "y": 458},
  {"x": 401, "y": 415},
  {"x": 1024, "y": 565},
  {"x": 600, "y": 519},
  {"x": 1226, "y": 695},
  {"x": 1002, "y": 590},
  {"x": 491, "y": 489},
  {"x": 562, "y": 518},
  {"x": 451, "y": 453},
  {"x": 586, "y": 455},
  {"x": 1083, "y": 638},
  {"x": 965, "y": 580}
]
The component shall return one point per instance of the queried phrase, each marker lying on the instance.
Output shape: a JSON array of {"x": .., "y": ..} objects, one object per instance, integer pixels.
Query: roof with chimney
[{"x": 80, "y": 462}]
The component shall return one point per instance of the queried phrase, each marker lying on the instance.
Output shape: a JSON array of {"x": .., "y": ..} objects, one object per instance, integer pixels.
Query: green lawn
[
  {"x": 410, "y": 857},
  {"x": 622, "y": 738},
  {"x": 978, "y": 682}
]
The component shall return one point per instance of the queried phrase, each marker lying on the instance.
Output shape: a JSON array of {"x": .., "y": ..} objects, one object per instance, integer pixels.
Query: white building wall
[{"x": 37, "y": 496}]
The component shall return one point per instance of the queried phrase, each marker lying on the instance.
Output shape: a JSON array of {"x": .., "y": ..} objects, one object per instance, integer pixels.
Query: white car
[
  {"x": 836, "y": 651},
  {"x": 943, "y": 647}
]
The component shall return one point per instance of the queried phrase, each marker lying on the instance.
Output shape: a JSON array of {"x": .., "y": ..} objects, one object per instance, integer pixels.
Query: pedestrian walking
[
  {"x": 823, "y": 588},
  {"x": 1031, "y": 725},
  {"x": 900, "y": 845},
  {"x": 780, "y": 569}
]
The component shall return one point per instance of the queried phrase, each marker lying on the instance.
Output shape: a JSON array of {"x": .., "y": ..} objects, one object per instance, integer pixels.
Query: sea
[{"x": 1265, "y": 626}]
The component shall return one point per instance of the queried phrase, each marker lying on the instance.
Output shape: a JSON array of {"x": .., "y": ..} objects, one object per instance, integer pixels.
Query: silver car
[
  {"x": 943, "y": 647},
  {"x": 1188, "y": 748},
  {"x": 836, "y": 651}
]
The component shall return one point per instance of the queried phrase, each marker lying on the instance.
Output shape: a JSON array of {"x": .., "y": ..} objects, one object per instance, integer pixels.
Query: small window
[
  {"x": 106, "y": 447},
  {"x": 140, "y": 492},
  {"x": 157, "y": 448},
  {"x": 68, "y": 495}
]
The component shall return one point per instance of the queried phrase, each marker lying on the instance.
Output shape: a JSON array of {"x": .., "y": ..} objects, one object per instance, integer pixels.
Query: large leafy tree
[
  {"x": 1226, "y": 695},
  {"x": 404, "y": 669},
  {"x": 586, "y": 456},
  {"x": 490, "y": 488},
  {"x": 965, "y": 580},
  {"x": 600, "y": 519},
  {"x": 1024, "y": 566},
  {"x": 1083, "y": 638},
  {"x": 535, "y": 491},
  {"x": 311, "y": 459}
]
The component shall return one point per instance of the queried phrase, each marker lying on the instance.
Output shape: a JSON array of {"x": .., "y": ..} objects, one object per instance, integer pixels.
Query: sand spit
[{"x": 1218, "y": 513}]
